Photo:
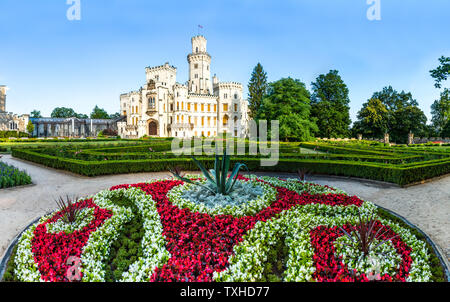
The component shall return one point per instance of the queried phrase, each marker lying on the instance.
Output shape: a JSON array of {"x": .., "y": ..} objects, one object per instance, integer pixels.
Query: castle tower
[
  {"x": 199, "y": 67},
  {"x": 2, "y": 98}
]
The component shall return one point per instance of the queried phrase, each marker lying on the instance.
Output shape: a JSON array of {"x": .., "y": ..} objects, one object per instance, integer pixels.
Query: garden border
[
  {"x": 7, "y": 255},
  {"x": 436, "y": 249}
]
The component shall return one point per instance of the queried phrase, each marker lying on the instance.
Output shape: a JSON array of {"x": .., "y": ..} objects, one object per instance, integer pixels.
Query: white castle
[{"x": 202, "y": 106}]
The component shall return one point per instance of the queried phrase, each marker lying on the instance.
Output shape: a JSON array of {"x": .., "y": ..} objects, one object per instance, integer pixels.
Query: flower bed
[
  {"x": 12, "y": 177},
  {"x": 299, "y": 226}
]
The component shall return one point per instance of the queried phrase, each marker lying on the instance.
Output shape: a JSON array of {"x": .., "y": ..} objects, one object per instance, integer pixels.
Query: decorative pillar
[
  {"x": 386, "y": 138},
  {"x": 360, "y": 137}
]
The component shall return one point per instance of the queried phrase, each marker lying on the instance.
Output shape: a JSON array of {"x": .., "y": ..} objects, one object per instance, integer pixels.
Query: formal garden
[
  {"x": 398, "y": 164},
  {"x": 227, "y": 224}
]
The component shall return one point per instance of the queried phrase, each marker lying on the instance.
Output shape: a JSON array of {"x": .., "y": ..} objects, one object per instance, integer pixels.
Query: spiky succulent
[
  {"x": 68, "y": 208},
  {"x": 217, "y": 178},
  {"x": 364, "y": 234}
]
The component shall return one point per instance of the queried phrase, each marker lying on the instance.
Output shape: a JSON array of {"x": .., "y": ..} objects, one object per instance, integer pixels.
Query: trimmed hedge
[{"x": 376, "y": 171}]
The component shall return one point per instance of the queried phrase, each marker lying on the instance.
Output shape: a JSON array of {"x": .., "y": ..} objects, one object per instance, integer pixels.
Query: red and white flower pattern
[{"x": 184, "y": 245}]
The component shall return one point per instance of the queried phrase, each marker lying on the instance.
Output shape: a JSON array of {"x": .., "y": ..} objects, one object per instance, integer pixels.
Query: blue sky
[{"x": 48, "y": 61}]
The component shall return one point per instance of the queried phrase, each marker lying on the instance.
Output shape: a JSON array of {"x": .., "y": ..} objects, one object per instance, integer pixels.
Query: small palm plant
[
  {"x": 68, "y": 208},
  {"x": 218, "y": 179},
  {"x": 365, "y": 236},
  {"x": 302, "y": 173}
]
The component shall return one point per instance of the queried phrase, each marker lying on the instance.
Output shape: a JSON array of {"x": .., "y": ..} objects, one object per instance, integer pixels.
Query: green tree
[
  {"x": 372, "y": 119},
  {"x": 257, "y": 89},
  {"x": 440, "y": 111},
  {"x": 330, "y": 105},
  {"x": 30, "y": 127},
  {"x": 114, "y": 115},
  {"x": 288, "y": 101},
  {"x": 408, "y": 119},
  {"x": 63, "y": 112},
  {"x": 446, "y": 130},
  {"x": 35, "y": 114},
  {"x": 402, "y": 116},
  {"x": 442, "y": 72},
  {"x": 99, "y": 113},
  {"x": 81, "y": 116}
]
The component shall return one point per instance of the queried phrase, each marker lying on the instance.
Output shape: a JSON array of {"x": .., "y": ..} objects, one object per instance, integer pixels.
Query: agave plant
[
  {"x": 365, "y": 235},
  {"x": 68, "y": 208},
  {"x": 218, "y": 179}
]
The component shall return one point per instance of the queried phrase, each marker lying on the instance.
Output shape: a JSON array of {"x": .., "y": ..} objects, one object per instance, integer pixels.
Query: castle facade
[{"x": 201, "y": 107}]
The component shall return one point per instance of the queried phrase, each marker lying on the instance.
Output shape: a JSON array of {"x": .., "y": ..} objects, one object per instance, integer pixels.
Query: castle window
[
  {"x": 195, "y": 107},
  {"x": 225, "y": 96},
  {"x": 209, "y": 122},
  {"x": 209, "y": 107},
  {"x": 195, "y": 66},
  {"x": 189, "y": 106},
  {"x": 207, "y": 67},
  {"x": 196, "y": 49},
  {"x": 215, "y": 108},
  {"x": 235, "y": 107},
  {"x": 225, "y": 107},
  {"x": 235, "y": 133},
  {"x": 203, "y": 107},
  {"x": 203, "y": 121},
  {"x": 225, "y": 120},
  {"x": 236, "y": 95},
  {"x": 196, "y": 76}
]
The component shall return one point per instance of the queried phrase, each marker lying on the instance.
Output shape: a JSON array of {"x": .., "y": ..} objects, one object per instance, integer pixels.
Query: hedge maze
[{"x": 401, "y": 165}]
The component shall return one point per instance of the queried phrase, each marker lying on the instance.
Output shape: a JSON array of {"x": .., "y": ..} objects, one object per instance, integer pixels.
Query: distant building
[
  {"x": 8, "y": 120},
  {"x": 70, "y": 127},
  {"x": 202, "y": 106}
]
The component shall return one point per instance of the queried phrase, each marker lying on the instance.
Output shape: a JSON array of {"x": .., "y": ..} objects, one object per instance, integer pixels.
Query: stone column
[
  {"x": 360, "y": 137},
  {"x": 386, "y": 138},
  {"x": 410, "y": 138}
]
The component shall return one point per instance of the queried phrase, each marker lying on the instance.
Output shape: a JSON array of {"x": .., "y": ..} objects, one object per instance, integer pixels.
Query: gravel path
[{"x": 426, "y": 205}]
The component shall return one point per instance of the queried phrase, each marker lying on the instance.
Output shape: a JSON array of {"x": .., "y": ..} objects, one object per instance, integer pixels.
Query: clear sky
[{"x": 48, "y": 61}]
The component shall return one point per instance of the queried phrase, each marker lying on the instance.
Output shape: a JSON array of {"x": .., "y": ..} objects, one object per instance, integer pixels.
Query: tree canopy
[
  {"x": 288, "y": 101},
  {"x": 257, "y": 89},
  {"x": 35, "y": 114},
  {"x": 396, "y": 113},
  {"x": 440, "y": 111},
  {"x": 330, "y": 105},
  {"x": 63, "y": 112},
  {"x": 442, "y": 72},
  {"x": 99, "y": 113}
]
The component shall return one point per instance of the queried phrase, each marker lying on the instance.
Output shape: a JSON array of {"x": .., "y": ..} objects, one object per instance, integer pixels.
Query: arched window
[{"x": 196, "y": 49}]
